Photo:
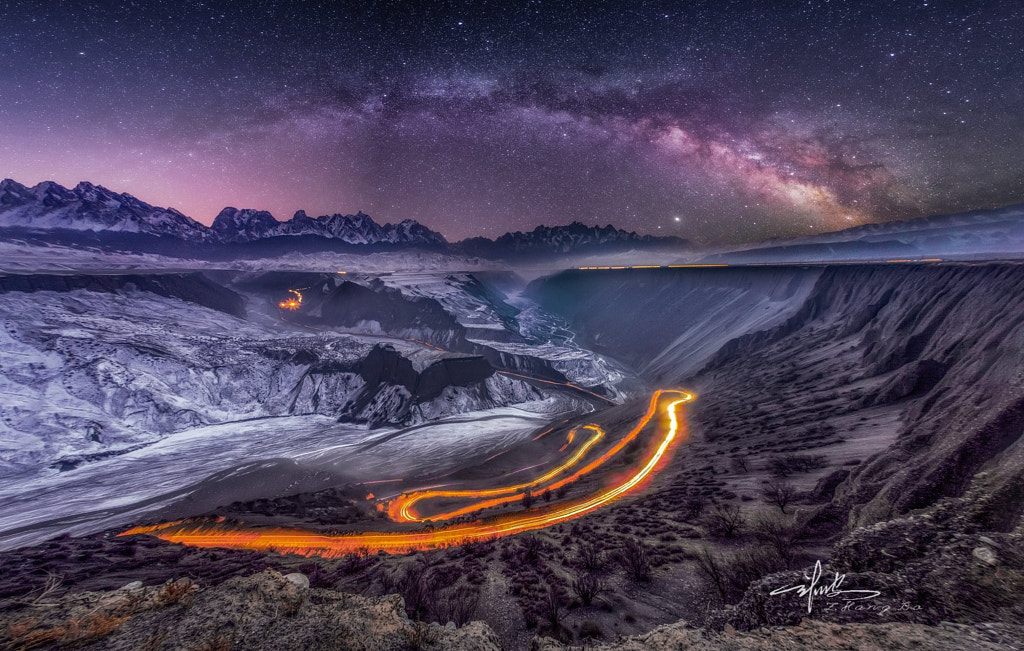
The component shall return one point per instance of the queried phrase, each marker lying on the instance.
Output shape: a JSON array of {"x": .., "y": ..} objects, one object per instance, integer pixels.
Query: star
[{"x": 473, "y": 118}]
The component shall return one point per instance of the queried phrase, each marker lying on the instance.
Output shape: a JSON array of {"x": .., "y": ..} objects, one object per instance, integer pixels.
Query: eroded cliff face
[
  {"x": 942, "y": 346},
  {"x": 903, "y": 380}
]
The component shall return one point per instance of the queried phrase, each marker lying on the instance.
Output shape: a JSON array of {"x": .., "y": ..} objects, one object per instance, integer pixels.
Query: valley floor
[{"x": 864, "y": 417}]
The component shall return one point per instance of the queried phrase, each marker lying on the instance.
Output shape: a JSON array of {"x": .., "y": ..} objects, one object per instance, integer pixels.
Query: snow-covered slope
[
  {"x": 100, "y": 364},
  {"x": 113, "y": 384}
]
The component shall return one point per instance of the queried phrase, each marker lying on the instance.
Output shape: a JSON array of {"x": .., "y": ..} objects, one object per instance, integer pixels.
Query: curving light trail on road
[
  {"x": 400, "y": 509},
  {"x": 308, "y": 543}
]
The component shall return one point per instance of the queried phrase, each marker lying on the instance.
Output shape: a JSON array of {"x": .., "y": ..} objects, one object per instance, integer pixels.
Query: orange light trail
[
  {"x": 308, "y": 543},
  {"x": 568, "y": 440},
  {"x": 400, "y": 509},
  {"x": 429, "y": 345}
]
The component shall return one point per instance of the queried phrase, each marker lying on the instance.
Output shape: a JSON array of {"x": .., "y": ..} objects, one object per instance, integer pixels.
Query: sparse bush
[
  {"x": 530, "y": 546},
  {"x": 552, "y": 609},
  {"x": 751, "y": 563},
  {"x": 318, "y": 576},
  {"x": 725, "y": 520},
  {"x": 784, "y": 466},
  {"x": 527, "y": 499},
  {"x": 693, "y": 505},
  {"x": 712, "y": 568},
  {"x": 778, "y": 535},
  {"x": 779, "y": 492},
  {"x": 634, "y": 558},
  {"x": 457, "y": 605},
  {"x": 729, "y": 576},
  {"x": 590, "y": 556},
  {"x": 24, "y": 634},
  {"x": 49, "y": 588},
  {"x": 415, "y": 590},
  {"x": 587, "y": 587}
]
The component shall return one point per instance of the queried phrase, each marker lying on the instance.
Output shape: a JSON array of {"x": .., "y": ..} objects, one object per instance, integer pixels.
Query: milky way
[{"x": 716, "y": 121}]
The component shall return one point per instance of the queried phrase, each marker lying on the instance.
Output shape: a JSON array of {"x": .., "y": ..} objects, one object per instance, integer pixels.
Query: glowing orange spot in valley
[{"x": 292, "y": 303}]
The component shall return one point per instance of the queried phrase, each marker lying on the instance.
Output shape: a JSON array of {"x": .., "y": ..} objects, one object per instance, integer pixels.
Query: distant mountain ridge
[
  {"x": 996, "y": 232},
  {"x": 234, "y": 225},
  {"x": 576, "y": 236},
  {"x": 87, "y": 207},
  {"x": 101, "y": 216}
]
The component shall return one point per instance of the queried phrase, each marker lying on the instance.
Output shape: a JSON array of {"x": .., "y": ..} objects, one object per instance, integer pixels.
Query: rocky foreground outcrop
[
  {"x": 274, "y": 611},
  {"x": 263, "y": 611}
]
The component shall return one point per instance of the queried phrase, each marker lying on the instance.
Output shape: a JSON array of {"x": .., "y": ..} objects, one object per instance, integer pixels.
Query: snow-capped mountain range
[
  {"x": 562, "y": 239},
  {"x": 87, "y": 208},
  {"x": 234, "y": 225}
]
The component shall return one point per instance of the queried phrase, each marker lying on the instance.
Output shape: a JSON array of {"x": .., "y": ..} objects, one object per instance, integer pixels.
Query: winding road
[{"x": 309, "y": 543}]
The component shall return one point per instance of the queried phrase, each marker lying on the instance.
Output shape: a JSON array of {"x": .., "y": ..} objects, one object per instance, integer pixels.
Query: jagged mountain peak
[
  {"x": 89, "y": 207},
  {"x": 574, "y": 236},
  {"x": 93, "y": 208},
  {"x": 247, "y": 225},
  {"x": 239, "y": 225}
]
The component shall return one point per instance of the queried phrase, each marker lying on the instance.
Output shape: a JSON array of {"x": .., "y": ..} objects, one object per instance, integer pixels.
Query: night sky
[{"x": 716, "y": 121}]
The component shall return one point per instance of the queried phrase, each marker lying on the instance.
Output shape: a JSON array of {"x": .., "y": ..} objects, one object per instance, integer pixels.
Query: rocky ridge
[{"x": 262, "y": 611}]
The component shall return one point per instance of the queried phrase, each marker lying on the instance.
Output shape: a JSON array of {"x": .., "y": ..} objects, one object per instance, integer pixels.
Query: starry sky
[{"x": 718, "y": 121}]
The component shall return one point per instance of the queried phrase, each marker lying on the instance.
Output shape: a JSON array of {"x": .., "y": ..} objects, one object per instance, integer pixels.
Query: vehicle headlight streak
[
  {"x": 400, "y": 509},
  {"x": 308, "y": 543}
]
